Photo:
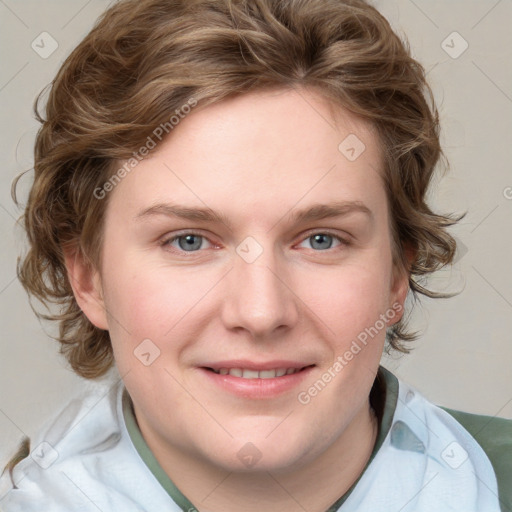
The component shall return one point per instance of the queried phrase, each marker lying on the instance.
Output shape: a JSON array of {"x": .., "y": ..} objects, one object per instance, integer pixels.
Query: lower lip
[{"x": 257, "y": 388}]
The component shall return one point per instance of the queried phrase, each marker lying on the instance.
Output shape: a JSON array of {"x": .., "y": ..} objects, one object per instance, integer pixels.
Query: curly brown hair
[{"x": 146, "y": 58}]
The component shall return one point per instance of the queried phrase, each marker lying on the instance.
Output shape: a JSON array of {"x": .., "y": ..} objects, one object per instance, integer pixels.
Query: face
[{"x": 249, "y": 245}]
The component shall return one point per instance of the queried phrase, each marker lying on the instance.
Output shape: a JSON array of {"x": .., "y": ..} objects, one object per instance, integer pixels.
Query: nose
[{"x": 258, "y": 298}]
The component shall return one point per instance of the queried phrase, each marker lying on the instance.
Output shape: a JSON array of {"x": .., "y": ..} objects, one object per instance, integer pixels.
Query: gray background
[{"x": 463, "y": 360}]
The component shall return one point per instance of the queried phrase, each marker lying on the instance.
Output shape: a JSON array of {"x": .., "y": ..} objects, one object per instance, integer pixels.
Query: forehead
[{"x": 261, "y": 152}]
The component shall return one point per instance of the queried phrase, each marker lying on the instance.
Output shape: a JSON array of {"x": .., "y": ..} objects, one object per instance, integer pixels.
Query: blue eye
[
  {"x": 193, "y": 242},
  {"x": 323, "y": 241},
  {"x": 188, "y": 242}
]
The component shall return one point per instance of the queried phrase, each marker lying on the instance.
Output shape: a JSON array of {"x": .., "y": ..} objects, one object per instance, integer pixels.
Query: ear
[
  {"x": 87, "y": 287},
  {"x": 400, "y": 284}
]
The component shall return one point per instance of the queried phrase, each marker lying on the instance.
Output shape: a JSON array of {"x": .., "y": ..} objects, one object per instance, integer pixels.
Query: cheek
[
  {"x": 139, "y": 304},
  {"x": 355, "y": 292},
  {"x": 152, "y": 301},
  {"x": 135, "y": 295}
]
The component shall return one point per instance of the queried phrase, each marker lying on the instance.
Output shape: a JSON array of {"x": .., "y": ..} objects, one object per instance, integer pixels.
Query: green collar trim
[
  {"x": 383, "y": 398},
  {"x": 147, "y": 455}
]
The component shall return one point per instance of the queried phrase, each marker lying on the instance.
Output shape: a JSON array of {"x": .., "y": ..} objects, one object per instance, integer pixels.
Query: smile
[
  {"x": 256, "y": 382},
  {"x": 245, "y": 373}
]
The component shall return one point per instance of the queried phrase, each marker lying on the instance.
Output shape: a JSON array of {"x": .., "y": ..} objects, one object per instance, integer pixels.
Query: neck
[{"x": 313, "y": 487}]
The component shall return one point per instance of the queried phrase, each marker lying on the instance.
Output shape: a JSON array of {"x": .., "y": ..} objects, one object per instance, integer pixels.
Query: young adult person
[{"x": 229, "y": 207}]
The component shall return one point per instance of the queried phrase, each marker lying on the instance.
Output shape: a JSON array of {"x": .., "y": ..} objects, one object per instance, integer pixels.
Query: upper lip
[{"x": 253, "y": 365}]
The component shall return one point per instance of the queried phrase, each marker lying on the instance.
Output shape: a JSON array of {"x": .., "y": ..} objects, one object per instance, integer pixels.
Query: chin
[{"x": 243, "y": 455}]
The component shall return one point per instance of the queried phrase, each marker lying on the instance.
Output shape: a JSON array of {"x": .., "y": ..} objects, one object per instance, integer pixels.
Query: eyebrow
[{"x": 315, "y": 212}]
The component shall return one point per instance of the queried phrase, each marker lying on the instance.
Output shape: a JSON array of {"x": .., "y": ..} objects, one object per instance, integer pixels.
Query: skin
[{"x": 256, "y": 159}]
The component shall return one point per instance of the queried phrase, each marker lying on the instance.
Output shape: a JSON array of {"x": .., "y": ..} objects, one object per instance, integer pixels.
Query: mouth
[
  {"x": 247, "y": 373},
  {"x": 257, "y": 381}
]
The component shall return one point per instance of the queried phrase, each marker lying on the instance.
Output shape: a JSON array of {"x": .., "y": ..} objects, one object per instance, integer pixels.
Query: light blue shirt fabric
[{"x": 86, "y": 461}]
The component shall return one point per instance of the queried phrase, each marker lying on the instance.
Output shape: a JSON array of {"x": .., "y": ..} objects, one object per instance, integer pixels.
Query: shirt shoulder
[
  {"x": 82, "y": 459},
  {"x": 494, "y": 435}
]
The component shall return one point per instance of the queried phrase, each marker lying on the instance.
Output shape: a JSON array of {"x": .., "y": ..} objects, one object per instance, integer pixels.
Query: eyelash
[{"x": 165, "y": 243}]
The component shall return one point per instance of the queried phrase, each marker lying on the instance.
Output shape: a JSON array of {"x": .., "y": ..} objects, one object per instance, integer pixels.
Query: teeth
[
  {"x": 254, "y": 374},
  {"x": 250, "y": 374}
]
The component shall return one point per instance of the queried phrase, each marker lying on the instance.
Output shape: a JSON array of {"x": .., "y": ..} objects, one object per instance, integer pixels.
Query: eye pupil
[
  {"x": 319, "y": 239},
  {"x": 191, "y": 242}
]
